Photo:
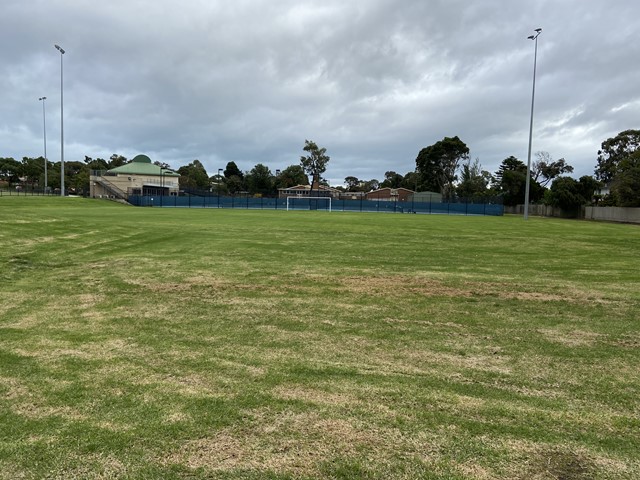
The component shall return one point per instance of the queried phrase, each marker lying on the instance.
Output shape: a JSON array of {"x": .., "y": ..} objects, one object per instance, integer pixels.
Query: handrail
[{"x": 110, "y": 186}]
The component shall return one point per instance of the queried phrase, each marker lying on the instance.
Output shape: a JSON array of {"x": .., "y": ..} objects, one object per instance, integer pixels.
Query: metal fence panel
[{"x": 458, "y": 207}]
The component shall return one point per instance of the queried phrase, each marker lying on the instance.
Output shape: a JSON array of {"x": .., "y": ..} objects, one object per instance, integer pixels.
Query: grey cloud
[{"x": 373, "y": 81}]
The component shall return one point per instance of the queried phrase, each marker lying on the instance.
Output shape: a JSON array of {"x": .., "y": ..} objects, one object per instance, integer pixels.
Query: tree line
[{"x": 444, "y": 167}]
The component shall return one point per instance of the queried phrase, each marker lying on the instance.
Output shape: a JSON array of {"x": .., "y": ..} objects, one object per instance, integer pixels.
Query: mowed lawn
[{"x": 234, "y": 344}]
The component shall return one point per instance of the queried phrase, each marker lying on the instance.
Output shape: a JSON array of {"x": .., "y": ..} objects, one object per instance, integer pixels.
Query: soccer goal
[{"x": 309, "y": 203}]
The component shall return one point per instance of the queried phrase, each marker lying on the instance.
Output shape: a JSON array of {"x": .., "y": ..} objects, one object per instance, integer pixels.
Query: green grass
[{"x": 231, "y": 344}]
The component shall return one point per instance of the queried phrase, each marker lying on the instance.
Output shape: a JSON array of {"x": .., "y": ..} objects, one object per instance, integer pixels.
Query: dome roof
[
  {"x": 141, "y": 159},
  {"x": 141, "y": 165}
]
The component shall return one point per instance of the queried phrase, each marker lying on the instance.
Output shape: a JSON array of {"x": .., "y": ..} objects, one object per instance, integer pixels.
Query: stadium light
[
  {"x": 61, "y": 50},
  {"x": 44, "y": 128},
  {"x": 533, "y": 94}
]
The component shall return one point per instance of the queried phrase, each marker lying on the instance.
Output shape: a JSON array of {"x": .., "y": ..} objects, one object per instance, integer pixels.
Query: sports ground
[{"x": 248, "y": 344}]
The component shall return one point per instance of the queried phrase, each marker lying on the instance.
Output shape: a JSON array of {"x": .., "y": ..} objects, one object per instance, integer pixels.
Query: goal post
[{"x": 309, "y": 203}]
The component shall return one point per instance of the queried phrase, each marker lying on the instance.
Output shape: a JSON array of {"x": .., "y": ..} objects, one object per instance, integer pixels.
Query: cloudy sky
[{"x": 373, "y": 81}]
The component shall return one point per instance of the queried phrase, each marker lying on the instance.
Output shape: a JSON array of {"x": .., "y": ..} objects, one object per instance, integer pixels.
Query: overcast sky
[{"x": 373, "y": 81}]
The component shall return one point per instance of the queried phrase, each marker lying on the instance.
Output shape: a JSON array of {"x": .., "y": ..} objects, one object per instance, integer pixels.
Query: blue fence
[{"x": 458, "y": 207}]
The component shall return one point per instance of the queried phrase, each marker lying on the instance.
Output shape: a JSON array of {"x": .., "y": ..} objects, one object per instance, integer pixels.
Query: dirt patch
[
  {"x": 533, "y": 461},
  {"x": 628, "y": 341},
  {"x": 559, "y": 464}
]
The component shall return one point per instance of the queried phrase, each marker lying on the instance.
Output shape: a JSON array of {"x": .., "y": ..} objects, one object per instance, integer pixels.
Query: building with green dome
[{"x": 138, "y": 177}]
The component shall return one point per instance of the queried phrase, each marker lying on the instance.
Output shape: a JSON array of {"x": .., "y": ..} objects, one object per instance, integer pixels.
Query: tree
[
  {"x": 438, "y": 164},
  {"x": 510, "y": 163},
  {"x": 474, "y": 182},
  {"x": 116, "y": 160},
  {"x": 10, "y": 170},
  {"x": 370, "y": 185},
  {"x": 392, "y": 180},
  {"x": 193, "y": 175},
  {"x": 260, "y": 180},
  {"x": 511, "y": 180},
  {"x": 97, "y": 164},
  {"x": 613, "y": 151},
  {"x": 217, "y": 181},
  {"x": 569, "y": 194},
  {"x": 356, "y": 185},
  {"x": 76, "y": 176},
  {"x": 162, "y": 165},
  {"x": 32, "y": 169},
  {"x": 315, "y": 163},
  {"x": 626, "y": 183},
  {"x": 234, "y": 184},
  {"x": 588, "y": 186},
  {"x": 352, "y": 183},
  {"x": 410, "y": 181},
  {"x": 291, "y": 176},
  {"x": 233, "y": 170},
  {"x": 544, "y": 170}
]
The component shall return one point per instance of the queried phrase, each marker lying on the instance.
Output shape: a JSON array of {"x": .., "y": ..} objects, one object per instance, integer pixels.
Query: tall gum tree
[
  {"x": 613, "y": 151},
  {"x": 315, "y": 163},
  {"x": 438, "y": 163}
]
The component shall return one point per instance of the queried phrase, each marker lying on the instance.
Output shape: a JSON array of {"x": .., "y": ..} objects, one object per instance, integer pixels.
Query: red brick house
[{"x": 390, "y": 194}]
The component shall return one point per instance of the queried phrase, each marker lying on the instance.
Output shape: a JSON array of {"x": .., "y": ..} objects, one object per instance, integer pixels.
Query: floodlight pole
[
  {"x": 44, "y": 128},
  {"x": 61, "y": 50},
  {"x": 533, "y": 94}
]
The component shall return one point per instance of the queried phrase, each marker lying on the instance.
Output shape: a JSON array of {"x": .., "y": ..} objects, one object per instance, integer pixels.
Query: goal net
[{"x": 309, "y": 203}]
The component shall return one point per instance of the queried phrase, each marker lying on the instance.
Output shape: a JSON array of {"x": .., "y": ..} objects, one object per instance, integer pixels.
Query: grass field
[{"x": 229, "y": 344}]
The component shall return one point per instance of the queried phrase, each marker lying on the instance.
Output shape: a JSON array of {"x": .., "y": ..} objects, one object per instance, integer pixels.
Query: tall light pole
[
  {"x": 533, "y": 95},
  {"x": 61, "y": 50},
  {"x": 44, "y": 128}
]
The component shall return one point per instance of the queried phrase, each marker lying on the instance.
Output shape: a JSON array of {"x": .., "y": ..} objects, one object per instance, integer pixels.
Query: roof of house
[
  {"x": 141, "y": 165},
  {"x": 308, "y": 187},
  {"x": 390, "y": 189}
]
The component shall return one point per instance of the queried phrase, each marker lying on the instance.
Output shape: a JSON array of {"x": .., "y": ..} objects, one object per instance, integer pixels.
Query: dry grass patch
[
  {"x": 413, "y": 360},
  {"x": 52, "y": 350},
  {"x": 14, "y": 388},
  {"x": 295, "y": 392},
  {"x": 398, "y": 285},
  {"x": 529, "y": 460},
  {"x": 30, "y": 409},
  {"x": 95, "y": 466},
  {"x": 629, "y": 340},
  {"x": 573, "y": 338},
  {"x": 296, "y": 444}
]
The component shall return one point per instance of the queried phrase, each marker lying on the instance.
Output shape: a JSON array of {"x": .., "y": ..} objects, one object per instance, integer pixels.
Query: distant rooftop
[{"x": 141, "y": 165}]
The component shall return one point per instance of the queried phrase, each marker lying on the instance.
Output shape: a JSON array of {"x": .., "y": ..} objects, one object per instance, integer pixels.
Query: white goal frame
[{"x": 306, "y": 200}]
